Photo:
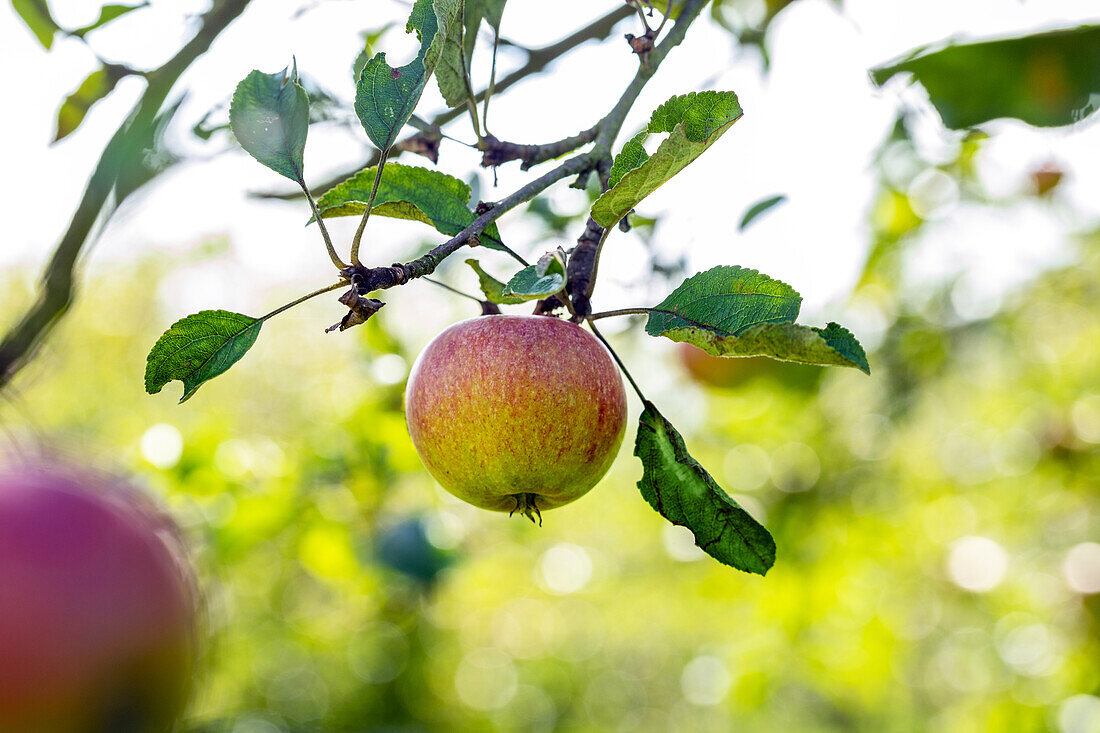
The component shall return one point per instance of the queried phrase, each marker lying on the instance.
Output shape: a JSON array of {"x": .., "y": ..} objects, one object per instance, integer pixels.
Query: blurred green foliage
[{"x": 345, "y": 592}]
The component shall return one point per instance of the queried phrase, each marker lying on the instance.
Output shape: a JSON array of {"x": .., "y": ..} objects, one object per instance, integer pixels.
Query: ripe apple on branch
[{"x": 522, "y": 413}]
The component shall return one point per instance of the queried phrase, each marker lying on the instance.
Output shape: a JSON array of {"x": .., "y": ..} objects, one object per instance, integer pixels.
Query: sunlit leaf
[
  {"x": 198, "y": 348},
  {"x": 36, "y": 16},
  {"x": 833, "y": 345},
  {"x": 727, "y": 300},
  {"x": 630, "y": 157},
  {"x": 270, "y": 118},
  {"x": 385, "y": 97},
  {"x": 695, "y": 122},
  {"x": 1046, "y": 79},
  {"x": 106, "y": 14},
  {"x": 408, "y": 192},
  {"x": 759, "y": 209},
  {"x": 95, "y": 87},
  {"x": 684, "y": 493},
  {"x": 493, "y": 288},
  {"x": 732, "y": 311}
]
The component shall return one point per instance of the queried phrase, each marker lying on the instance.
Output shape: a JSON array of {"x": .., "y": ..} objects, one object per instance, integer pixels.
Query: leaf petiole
[{"x": 366, "y": 213}]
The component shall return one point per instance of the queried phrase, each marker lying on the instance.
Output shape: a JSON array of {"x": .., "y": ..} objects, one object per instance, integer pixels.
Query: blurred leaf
[
  {"x": 493, "y": 288},
  {"x": 528, "y": 284},
  {"x": 833, "y": 345},
  {"x": 451, "y": 73},
  {"x": 695, "y": 122},
  {"x": 385, "y": 97},
  {"x": 95, "y": 87},
  {"x": 684, "y": 493},
  {"x": 36, "y": 16},
  {"x": 1046, "y": 79},
  {"x": 370, "y": 40},
  {"x": 727, "y": 300},
  {"x": 198, "y": 348},
  {"x": 760, "y": 208},
  {"x": 155, "y": 157},
  {"x": 106, "y": 14},
  {"x": 408, "y": 192},
  {"x": 630, "y": 157},
  {"x": 269, "y": 115}
]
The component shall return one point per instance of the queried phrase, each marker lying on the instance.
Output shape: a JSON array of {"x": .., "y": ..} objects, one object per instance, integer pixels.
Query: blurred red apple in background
[
  {"x": 727, "y": 372},
  {"x": 98, "y": 605},
  {"x": 516, "y": 412}
]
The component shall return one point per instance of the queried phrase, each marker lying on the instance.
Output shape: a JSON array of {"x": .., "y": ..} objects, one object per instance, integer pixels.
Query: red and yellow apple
[
  {"x": 98, "y": 605},
  {"x": 515, "y": 413}
]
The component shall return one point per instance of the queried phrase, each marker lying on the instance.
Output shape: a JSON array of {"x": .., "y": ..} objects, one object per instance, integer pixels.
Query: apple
[
  {"x": 98, "y": 604},
  {"x": 516, "y": 413},
  {"x": 728, "y": 372}
]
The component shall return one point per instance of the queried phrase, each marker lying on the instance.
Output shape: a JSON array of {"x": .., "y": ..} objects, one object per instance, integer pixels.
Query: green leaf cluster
[
  {"x": 543, "y": 279},
  {"x": 733, "y": 311},
  {"x": 694, "y": 122}
]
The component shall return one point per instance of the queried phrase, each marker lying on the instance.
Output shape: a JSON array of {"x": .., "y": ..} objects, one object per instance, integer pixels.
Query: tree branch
[
  {"x": 124, "y": 151},
  {"x": 537, "y": 60},
  {"x": 497, "y": 152}
]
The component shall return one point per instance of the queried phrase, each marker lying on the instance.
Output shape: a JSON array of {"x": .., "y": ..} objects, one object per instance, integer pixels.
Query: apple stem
[{"x": 622, "y": 367}]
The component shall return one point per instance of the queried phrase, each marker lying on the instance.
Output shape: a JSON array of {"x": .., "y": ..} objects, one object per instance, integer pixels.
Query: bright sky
[{"x": 810, "y": 129}]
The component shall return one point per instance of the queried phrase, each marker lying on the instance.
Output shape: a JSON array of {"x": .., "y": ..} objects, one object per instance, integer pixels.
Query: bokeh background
[{"x": 937, "y": 522}]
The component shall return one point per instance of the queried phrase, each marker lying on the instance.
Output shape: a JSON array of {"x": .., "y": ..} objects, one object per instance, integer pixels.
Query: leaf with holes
[
  {"x": 695, "y": 122},
  {"x": 198, "y": 348},
  {"x": 269, "y": 115},
  {"x": 385, "y": 97},
  {"x": 684, "y": 493},
  {"x": 408, "y": 192}
]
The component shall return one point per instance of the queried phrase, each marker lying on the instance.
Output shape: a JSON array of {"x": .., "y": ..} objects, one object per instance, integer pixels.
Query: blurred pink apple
[{"x": 97, "y": 605}]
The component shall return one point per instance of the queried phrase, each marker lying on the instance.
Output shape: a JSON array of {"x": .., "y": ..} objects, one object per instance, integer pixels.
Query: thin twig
[
  {"x": 622, "y": 367},
  {"x": 304, "y": 298},
  {"x": 492, "y": 82},
  {"x": 456, "y": 291},
  {"x": 366, "y": 214},
  {"x": 340, "y": 264}
]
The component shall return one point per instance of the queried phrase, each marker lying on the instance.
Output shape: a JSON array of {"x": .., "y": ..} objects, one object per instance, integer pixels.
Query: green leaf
[
  {"x": 726, "y": 300},
  {"x": 269, "y": 115},
  {"x": 386, "y": 97},
  {"x": 95, "y": 87},
  {"x": 452, "y": 71},
  {"x": 695, "y": 122},
  {"x": 529, "y": 284},
  {"x": 630, "y": 157},
  {"x": 493, "y": 288},
  {"x": 106, "y": 14},
  {"x": 198, "y": 348},
  {"x": 684, "y": 493},
  {"x": 36, "y": 16},
  {"x": 833, "y": 345},
  {"x": 732, "y": 311},
  {"x": 408, "y": 192},
  {"x": 758, "y": 209},
  {"x": 1046, "y": 79}
]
